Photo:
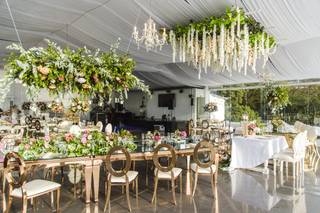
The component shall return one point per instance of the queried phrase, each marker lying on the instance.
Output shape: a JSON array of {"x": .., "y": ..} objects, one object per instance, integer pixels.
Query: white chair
[
  {"x": 20, "y": 188},
  {"x": 294, "y": 155},
  {"x": 108, "y": 129},
  {"x": 209, "y": 168},
  {"x": 100, "y": 126},
  {"x": 122, "y": 177},
  {"x": 169, "y": 173},
  {"x": 312, "y": 149},
  {"x": 64, "y": 126}
]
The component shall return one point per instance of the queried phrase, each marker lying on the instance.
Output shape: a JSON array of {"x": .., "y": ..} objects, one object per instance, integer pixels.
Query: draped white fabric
[{"x": 98, "y": 24}]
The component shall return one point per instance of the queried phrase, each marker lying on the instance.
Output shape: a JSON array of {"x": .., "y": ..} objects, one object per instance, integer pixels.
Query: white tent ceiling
[{"x": 98, "y": 24}]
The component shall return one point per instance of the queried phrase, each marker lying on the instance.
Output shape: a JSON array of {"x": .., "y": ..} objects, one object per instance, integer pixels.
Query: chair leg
[
  {"x": 58, "y": 200},
  {"x": 128, "y": 195},
  {"x": 24, "y": 205},
  {"x": 195, "y": 183},
  {"x": 108, "y": 197},
  {"x": 137, "y": 187},
  {"x": 213, "y": 184},
  {"x": 9, "y": 204},
  {"x": 294, "y": 170},
  {"x": 180, "y": 182},
  {"x": 155, "y": 190},
  {"x": 274, "y": 167},
  {"x": 173, "y": 188}
]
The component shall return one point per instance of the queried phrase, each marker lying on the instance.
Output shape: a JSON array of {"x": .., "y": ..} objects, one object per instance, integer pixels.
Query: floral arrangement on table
[
  {"x": 180, "y": 134},
  {"x": 123, "y": 138},
  {"x": 252, "y": 128},
  {"x": 56, "y": 107},
  {"x": 276, "y": 123},
  {"x": 74, "y": 145},
  {"x": 232, "y": 41},
  {"x": 153, "y": 138},
  {"x": 63, "y": 71},
  {"x": 79, "y": 106},
  {"x": 210, "y": 107}
]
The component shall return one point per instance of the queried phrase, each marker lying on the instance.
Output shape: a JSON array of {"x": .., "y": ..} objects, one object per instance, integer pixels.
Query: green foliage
[
  {"x": 71, "y": 145},
  {"x": 277, "y": 98},
  {"x": 229, "y": 17}
]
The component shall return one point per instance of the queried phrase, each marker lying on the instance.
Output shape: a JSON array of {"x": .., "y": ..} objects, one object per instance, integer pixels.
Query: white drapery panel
[{"x": 99, "y": 23}]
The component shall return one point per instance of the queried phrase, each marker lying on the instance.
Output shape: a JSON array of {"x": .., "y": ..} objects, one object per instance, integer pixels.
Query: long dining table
[{"x": 92, "y": 165}]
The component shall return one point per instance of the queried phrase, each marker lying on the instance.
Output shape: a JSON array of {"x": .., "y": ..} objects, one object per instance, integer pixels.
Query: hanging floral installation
[
  {"x": 65, "y": 71},
  {"x": 233, "y": 41}
]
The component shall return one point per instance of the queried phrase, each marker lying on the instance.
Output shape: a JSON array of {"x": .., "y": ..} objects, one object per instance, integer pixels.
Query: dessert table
[{"x": 251, "y": 151}]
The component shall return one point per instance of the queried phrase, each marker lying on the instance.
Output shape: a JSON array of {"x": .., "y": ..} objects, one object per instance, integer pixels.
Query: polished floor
[{"x": 238, "y": 191}]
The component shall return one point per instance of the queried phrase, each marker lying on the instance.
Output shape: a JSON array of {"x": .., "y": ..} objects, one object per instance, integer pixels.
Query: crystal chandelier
[{"x": 150, "y": 37}]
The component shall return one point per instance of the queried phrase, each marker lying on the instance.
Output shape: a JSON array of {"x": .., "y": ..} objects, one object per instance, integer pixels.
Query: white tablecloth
[{"x": 249, "y": 152}]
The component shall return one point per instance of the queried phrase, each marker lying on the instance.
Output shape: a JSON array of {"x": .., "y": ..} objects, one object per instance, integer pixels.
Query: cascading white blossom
[
  {"x": 172, "y": 37},
  {"x": 223, "y": 47}
]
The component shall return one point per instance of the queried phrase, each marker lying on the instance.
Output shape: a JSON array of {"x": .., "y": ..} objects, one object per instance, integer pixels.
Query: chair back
[
  {"x": 108, "y": 129},
  {"x": 299, "y": 126},
  {"x": 125, "y": 169},
  {"x": 13, "y": 163},
  {"x": 205, "y": 124},
  {"x": 299, "y": 143},
  {"x": 99, "y": 125},
  {"x": 311, "y": 134},
  {"x": 213, "y": 159},
  {"x": 156, "y": 158}
]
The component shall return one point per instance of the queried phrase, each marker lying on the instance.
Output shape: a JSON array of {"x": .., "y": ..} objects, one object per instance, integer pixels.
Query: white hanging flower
[{"x": 221, "y": 45}]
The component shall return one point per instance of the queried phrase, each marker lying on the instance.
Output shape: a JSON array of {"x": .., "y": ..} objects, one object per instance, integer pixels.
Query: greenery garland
[
  {"x": 229, "y": 17},
  {"x": 73, "y": 145},
  {"x": 62, "y": 71}
]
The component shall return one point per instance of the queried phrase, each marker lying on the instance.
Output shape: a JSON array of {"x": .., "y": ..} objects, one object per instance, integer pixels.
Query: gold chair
[
  {"x": 122, "y": 177},
  {"x": 170, "y": 173},
  {"x": 209, "y": 168},
  {"x": 20, "y": 188}
]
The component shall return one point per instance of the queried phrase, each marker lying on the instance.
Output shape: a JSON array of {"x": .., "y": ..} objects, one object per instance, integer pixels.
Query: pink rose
[
  {"x": 68, "y": 137},
  {"x": 157, "y": 138},
  {"x": 47, "y": 138},
  {"x": 26, "y": 146},
  {"x": 84, "y": 139},
  {"x": 183, "y": 134}
]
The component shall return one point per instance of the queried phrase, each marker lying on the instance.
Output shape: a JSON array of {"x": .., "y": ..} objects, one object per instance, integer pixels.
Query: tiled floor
[{"x": 237, "y": 192}]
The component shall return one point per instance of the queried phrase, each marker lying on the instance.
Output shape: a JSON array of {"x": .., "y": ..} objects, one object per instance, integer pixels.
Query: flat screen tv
[{"x": 167, "y": 100}]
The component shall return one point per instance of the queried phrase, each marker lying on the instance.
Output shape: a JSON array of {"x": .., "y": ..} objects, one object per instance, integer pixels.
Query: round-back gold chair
[
  {"x": 122, "y": 177},
  {"x": 209, "y": 168},
  {"x": 170, "y": 172},
  {"x": 20, "y": 188}
]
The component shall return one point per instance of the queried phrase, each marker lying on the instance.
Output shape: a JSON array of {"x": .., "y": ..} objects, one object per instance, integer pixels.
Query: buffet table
[
  {"x": 252, "y": 151},
  {"x": 92, "y": 165}
]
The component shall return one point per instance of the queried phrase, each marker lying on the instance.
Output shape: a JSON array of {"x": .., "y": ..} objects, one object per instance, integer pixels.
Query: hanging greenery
[
  {"x": 277, "y": 98},
  {"x": 232, "y": 41},
  {"x": 62, "y": 71}
]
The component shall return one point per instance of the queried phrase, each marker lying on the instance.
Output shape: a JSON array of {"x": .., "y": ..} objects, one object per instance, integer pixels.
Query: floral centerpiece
[
  {"x": 153, "y": 138},
  {"x": 74, "y": 145},
  {"x": 56, "y": 107},
  {"x": 79, "y": 106},
  {"x": 210, "y": 107},
  {"x": 180, "y": 134},
  {"x": 276, "y": 123}
]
